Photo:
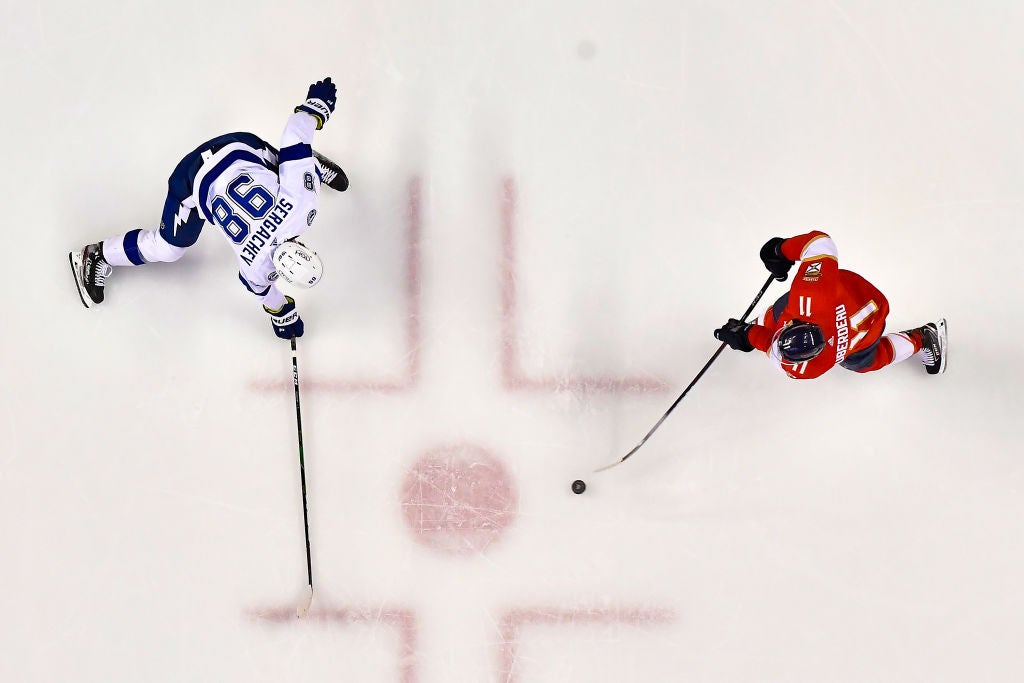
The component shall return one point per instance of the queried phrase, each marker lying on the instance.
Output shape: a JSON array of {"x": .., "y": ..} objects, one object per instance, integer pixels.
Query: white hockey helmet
[{"x": 297, "y": 264}]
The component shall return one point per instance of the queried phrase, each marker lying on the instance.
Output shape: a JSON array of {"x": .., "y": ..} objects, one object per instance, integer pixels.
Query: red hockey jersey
[{"x": 850, "y": 310}]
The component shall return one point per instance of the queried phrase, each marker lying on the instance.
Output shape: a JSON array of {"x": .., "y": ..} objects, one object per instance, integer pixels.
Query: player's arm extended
[
  {"x": 298, "y": 176},
  {"x": 812, "y": 245},
  {"x": 297, "y": 198}
]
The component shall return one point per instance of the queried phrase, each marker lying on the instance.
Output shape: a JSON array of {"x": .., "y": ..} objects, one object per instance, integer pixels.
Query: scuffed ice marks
[{"x": 458, "y": 499}]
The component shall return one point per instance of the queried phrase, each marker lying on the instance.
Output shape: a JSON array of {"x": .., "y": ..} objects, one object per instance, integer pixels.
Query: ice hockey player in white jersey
[{"x": 261, "y": 198}]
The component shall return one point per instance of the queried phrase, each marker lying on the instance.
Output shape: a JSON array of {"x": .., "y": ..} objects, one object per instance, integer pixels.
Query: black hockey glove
[
  {"x": 320, "y": 101},
  {"x": 734, "y": 333},
  {"x": 774, "y": 261},
  {"x": 286, "y": 321}
]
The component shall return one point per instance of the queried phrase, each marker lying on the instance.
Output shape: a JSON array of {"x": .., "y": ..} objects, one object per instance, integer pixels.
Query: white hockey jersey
[{"x": 258, "y": 199}]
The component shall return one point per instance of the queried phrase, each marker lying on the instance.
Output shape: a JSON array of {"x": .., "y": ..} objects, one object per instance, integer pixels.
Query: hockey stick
[
  {"x": 700, "y": 374},
  {"x": 303, "y": 609}
]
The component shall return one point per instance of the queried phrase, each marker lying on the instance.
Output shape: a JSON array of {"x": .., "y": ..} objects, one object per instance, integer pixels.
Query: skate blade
[
  {"x": 75, "y": 257},
  {"x": 943, "y": 345}
]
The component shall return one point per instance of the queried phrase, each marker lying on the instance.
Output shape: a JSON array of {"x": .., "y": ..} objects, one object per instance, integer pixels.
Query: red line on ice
[
  {"x": 513, "y": 621},
  {"x": 402, "y": 618},
  {"x": 513, "y": 376},
  {"x": 410, "y": 375}
]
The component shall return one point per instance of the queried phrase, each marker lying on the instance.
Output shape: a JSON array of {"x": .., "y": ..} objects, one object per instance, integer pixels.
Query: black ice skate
[
  {"x": 333, "y": 176},
  {"x": 90, "y": 271},
  {"x": 933, "y": 346}
]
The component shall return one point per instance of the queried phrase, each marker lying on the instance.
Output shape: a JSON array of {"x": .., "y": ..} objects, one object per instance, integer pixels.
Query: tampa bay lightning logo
[
  {"x": 307, "y": 180},
  {"x": 310, "y": 217}
]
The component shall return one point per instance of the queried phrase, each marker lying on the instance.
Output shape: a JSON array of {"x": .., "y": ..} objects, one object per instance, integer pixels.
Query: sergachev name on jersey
[
  {"x": 842, "y": 333},
  {"x": 259, "y": 239}
]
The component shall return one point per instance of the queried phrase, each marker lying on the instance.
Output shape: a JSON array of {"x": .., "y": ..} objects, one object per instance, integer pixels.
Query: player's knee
[
  {"x": 169, "y": 252},
  {"x": 875, "y": 357},
  {"x": 154, "y": 247}
]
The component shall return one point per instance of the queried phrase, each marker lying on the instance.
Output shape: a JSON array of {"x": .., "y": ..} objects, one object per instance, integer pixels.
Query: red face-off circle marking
[{"x": 458, "y": 499}]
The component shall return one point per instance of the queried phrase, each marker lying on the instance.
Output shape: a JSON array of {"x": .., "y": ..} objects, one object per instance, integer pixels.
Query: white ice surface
[{"x": 855, "y": 528}]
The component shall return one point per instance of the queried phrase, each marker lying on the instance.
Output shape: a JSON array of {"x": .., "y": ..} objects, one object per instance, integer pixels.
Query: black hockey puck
[{"x": 579, "y": 486}]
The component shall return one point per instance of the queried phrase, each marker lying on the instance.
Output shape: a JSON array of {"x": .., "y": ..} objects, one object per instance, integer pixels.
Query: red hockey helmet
[{"x": 800, "y": 341}]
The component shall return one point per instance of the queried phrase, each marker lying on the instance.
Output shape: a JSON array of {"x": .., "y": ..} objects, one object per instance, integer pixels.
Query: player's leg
[
  {"x": 330, "y": 172},
  {"x": 928, "y": 342},
  {"x": 94, "y": 263},
  {"x": 91, "y": 266},
  {"x": 180, "y": 224},
  {"x": 139, "y": 247}
]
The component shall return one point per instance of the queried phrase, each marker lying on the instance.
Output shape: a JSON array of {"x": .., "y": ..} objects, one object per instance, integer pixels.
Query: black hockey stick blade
[
  {"x": 668, "y": 412},
  {"x": 620, "y": 460},
  {"x": 700, "y": 374}
]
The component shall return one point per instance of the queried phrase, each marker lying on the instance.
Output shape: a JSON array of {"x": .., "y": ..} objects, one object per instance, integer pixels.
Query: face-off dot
[{"x": 458, "y": 499}]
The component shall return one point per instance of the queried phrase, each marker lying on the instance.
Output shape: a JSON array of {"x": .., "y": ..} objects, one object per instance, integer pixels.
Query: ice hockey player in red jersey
[{"x": 829, "y": 317}]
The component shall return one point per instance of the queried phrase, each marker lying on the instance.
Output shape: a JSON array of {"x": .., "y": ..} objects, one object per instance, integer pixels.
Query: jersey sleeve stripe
[
  {"x": 222, "y": 165},
  {"x": 820, "y": 246},
  {"x": 294, "y": 153}
]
